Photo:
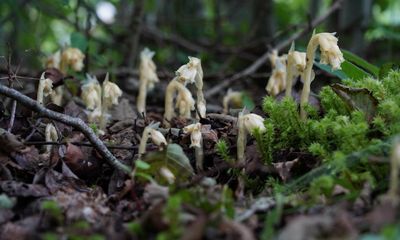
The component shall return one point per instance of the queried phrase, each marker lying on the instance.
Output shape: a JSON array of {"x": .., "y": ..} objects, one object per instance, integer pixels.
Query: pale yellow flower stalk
[
  {"x": 110, "y": 95},
  {"x": 330, "y": 54},
  {"x": 148, "y": 77},
  {"x": 192, "y": 72},
  {"x": 277, "y": 81},
  {"x": 185, "y": 101},
  {"x": 235, "y": 97},
  {"x": 50, "y": 136},
  {"x": 296, "y": 63},
  {"x": 246, "y": 123},
  {"x": 45, "y": 88},
  {"x": 156, "y": 137},
  {"x": 196, "y": 140}
]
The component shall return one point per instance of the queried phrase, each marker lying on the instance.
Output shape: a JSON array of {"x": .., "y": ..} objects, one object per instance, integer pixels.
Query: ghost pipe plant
[
  {"x": 277, "y": 81},
  {"x": 91, "y": 96},
  {"x": 184, "y": 101},
  {"x": 62, "y": 60},
  {"x": 247, "y": 123},
  {"x": 192, "y": 72},
  {"x": 330, "y": 54},
  {"x": 45, "y": 88},
  {"x": 156, "y": 137},
  {"x": 296, "y": 63},
  {"x": 148, "y": 77},
  {"x": 235, "y": 97},
  {"x": 197, "y": 142},
  {"x": 50, "y": 136},
  {"x": 110, "y": 94}
]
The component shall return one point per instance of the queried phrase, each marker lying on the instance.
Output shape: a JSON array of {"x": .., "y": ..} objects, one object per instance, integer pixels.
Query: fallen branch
[
  {"x": 261, "y": 60},
  {"x": 70, "y": 121}
]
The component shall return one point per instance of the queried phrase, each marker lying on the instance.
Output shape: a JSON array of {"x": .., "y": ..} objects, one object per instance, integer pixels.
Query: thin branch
[
  {"x": 261, "y": 60},
  {"x": 70, "y": 121},
  {"x": 82, "y": 144}
]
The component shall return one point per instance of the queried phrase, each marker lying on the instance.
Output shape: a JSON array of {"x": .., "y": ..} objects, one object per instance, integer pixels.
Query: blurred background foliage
[{"x": 227, "y": 35}]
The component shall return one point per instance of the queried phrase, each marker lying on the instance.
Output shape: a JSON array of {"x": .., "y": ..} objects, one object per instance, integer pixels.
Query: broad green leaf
[
  {"x": 173, "y": 158},
  {"x": 349, "y": 56},
  {"x": 353, "y": 72},
  {"x": 338, "y": 73},
  {"x": 360, "y": 99},
  {"x": 78, "y": 40}
]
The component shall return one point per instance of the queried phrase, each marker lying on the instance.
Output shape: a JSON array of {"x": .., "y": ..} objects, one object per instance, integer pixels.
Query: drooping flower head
[
  {"x": 111, "y": 92},
  {"x": 330, "y": 51},
  {"x": 252, "y": 121},
  {"x": 195, "y": 134},
  {"x": 91, "y": 93},
  {"x": 187, "y": 73}
]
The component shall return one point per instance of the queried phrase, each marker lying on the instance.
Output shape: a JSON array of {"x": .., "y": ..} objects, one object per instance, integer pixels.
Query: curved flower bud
[
  {"x": 235, "y": 97},
  {"x": 147, "y": 68},
  {"x": 72, "y": 57},
  {"x": 167, "y": 175},
  {"x": 330, "y": 52},
  {"x": 195, "y": 134},
  {"x": 252, "y": 121},
  {"x": 184, "y": 102},
  {"x": 45, "y": 88},
  {"x": 111, "y": 92},
  {"x": 157, "y": 137}
]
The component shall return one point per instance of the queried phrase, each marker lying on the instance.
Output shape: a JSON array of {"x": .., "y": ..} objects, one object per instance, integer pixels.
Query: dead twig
[
  {"x": 70, "y": 121},
  {"x": 261, "y": 60},
  {"x": 82, "y": 144}
]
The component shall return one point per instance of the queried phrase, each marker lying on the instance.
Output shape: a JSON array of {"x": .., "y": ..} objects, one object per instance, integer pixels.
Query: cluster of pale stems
[{"x": 100, "y": 98}]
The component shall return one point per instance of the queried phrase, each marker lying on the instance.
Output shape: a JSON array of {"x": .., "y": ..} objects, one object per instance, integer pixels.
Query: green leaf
[
  {"x": 247, "y": 101},
  {"x": 142, "y": 164},
  {"x": 360, "y": 99},
  {"x": 78, "y": 40},
  {"x": 354, "y": 72},
  {"x": 349, "y": 56},
  {"x": 173, "y": 158},
  {"x": 338, "y": 73}
]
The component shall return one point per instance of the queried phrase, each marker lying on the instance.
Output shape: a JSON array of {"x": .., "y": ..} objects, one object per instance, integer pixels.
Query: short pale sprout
[
  {"x": 50, "y": 136},
  {"x": 45, "y": 88},
  {"x": 234, "y": 97},
  {"x": 148, "y": 77},
  {"x": 296, "y": 63},
  {"x": 167, "y": 174},
  {"x": 196, "y": 141},
  {"x": 330, "y": 54},
  {"x": 277, "y": 81},
  {"x": 156, "y": 137}
]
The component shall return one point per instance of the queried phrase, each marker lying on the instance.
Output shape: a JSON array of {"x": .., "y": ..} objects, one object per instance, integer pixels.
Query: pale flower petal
[
  {"x": 111, "y": 92},
  {"x": 157, "y": 137},
  {"x": 252, "y": 121}
]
